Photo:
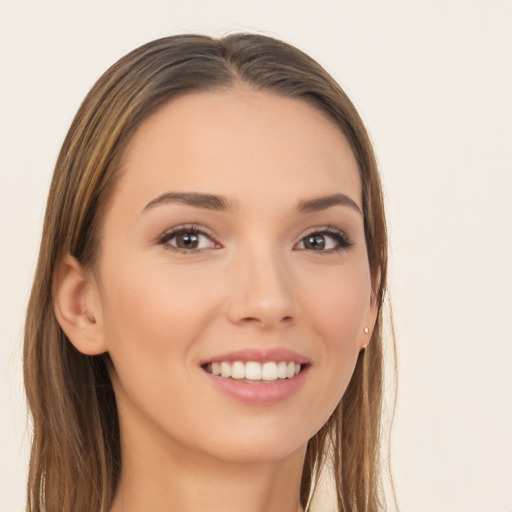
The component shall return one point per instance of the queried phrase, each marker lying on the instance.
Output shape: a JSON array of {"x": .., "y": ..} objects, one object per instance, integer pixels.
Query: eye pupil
[
  {"x": 315, "y": 242},
  {"x": 187, "y": 241}
]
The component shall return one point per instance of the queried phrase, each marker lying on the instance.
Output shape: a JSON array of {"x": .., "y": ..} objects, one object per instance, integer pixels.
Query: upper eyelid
[
  {"x": 324, "y": 229},
  {"x": 346, "y": 241},
  {"x": 174, "y": 231},
  {"x": 321, "y": 229}
]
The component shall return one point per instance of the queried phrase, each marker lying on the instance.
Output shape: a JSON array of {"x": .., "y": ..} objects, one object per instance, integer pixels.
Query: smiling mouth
[{"x": 252, "y": 371}]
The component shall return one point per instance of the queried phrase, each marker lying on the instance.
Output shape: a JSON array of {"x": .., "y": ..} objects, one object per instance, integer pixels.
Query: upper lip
[{"x": 259, "y": 355}]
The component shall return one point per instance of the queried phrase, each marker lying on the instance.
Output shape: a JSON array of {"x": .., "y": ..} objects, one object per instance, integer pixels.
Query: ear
[{"x": 77, "y": 306}]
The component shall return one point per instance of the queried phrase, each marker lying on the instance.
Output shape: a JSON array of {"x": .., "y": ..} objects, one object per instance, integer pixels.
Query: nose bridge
[{"x": 261, "y": 287}]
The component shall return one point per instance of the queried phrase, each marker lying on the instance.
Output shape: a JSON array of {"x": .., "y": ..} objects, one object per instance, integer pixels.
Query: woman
[{"x": 204, "y": 329}]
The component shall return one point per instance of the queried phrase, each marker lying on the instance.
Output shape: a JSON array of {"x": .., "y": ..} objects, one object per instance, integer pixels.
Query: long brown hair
[{"x": 76, "y": 459}]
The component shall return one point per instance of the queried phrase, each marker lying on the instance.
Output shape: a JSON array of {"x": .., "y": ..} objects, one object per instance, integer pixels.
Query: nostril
[
  {"x": 249, "y": 319},
  {"x": 287, "y": 320}
]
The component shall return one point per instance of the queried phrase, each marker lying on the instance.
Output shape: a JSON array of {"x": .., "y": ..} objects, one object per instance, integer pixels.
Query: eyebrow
[
  {"x": 221, "y": 203},
  {"x": 195, "y": 199},
  {"x": 322, "y": 203}
]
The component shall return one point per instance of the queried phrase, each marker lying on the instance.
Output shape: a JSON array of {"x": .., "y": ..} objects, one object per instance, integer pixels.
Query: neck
[{"x": 162, "y": 476}]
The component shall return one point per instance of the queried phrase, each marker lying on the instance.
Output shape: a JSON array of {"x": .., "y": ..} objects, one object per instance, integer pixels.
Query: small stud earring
[{"x": 366, "y": 330}]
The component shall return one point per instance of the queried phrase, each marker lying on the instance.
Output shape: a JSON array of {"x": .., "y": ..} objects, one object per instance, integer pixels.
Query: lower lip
[{"x": 259, "y": 392}]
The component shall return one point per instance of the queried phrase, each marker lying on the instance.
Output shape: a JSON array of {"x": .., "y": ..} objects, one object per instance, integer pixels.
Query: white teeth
[
  {"x": 238, "y": 370},
  {"x": 269, "y": 371},
  {"x": 225, "y": 370},
  {"x": 281, "y": 370},
  {"x": 216, "y": 368},
  {"x": 252, "y": 370}
]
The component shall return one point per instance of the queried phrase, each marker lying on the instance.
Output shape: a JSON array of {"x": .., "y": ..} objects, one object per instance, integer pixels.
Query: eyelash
[
  {"x": 190, "y": 229},
  {"x": 340, "y": 238}
]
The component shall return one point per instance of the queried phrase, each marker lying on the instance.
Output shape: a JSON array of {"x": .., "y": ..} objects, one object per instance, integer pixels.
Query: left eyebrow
[{"x": 322, "y": 203}]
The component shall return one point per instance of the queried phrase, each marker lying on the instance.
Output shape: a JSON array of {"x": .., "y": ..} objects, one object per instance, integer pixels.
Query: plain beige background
[{"x": 433, "y": 81}]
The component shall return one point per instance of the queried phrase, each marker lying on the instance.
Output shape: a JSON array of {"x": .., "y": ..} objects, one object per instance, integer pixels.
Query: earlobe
[
  {"x": 370, "y": 320},
  {"x": 77, "y": 307}
]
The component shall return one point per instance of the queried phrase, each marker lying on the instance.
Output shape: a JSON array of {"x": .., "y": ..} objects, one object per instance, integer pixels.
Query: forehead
[{"x": 239, "y": 143}]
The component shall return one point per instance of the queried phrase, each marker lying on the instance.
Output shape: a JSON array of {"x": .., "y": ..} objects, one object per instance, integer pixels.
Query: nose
[{"x": 261, "y": 291}]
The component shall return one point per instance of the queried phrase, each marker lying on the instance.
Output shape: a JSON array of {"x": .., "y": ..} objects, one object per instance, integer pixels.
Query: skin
[{"x": 254, "y": 282}]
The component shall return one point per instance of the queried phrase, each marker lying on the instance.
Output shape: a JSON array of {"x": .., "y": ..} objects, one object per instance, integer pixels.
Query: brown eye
[
  {"x": 314, "y": 242},
  {"x": 326, "y": 240},
  {"x": 187, "y": 240}
]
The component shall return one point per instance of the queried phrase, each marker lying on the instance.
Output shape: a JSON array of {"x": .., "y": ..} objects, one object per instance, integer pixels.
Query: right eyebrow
[{"x": 195, "y": 199}]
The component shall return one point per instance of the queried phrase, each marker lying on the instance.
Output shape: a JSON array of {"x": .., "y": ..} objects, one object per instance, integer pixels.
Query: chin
[
  {"x": 259, "y": 450},
  {"x": 263, "y": 439}
]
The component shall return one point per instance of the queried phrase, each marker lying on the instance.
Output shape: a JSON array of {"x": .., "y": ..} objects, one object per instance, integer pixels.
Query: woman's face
[{"x": 234, "y": 243}]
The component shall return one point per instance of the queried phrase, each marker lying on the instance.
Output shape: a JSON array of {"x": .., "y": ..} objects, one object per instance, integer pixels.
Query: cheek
[
  {"x": 338, "y": 300},
  {"x": 338, "y": 310},
  {"x": 154, "y": 321},
  {"x": 153, "y": 315}
]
